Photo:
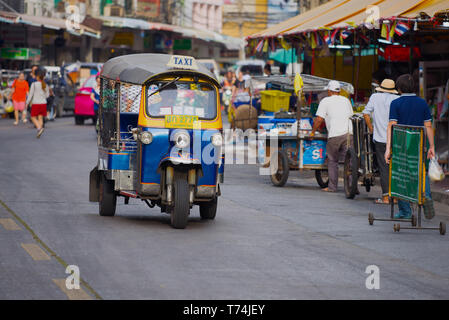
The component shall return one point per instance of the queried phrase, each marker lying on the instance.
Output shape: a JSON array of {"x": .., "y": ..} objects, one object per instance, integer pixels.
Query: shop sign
[
  {"x": 19, "y": 53},
  {"x": 148, "y": 8},
  {"x": 123, "y": 39},
  {"x": 182, "y": 44}
]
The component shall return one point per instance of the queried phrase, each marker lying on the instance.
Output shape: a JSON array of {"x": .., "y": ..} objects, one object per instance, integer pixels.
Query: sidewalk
[{"x": 440, "y": 190}]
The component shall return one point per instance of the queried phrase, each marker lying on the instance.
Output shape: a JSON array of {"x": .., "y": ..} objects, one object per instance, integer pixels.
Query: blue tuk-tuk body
[{"x": 160, "y": 136}]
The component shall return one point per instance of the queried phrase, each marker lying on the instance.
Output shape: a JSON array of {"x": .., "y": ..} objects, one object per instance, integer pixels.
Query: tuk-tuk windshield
[{"x": 182, "y": 98}]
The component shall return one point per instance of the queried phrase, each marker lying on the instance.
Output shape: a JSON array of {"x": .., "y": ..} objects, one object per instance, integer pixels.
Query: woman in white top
[{"x": 39, "y": 92}]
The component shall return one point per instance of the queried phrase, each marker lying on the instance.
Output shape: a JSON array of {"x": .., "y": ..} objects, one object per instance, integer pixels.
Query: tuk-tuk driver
[{"x": 162, "y": 103}]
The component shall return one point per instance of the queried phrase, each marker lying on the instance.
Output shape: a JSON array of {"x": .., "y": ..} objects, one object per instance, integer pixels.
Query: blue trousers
[{"x": 404, "y": 206}]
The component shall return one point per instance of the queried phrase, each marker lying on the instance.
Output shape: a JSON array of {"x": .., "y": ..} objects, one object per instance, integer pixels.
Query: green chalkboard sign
[{"x": 406, "y": 165}]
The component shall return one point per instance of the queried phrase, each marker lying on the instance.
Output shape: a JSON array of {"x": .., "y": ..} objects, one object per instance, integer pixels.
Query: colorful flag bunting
[
  {"x": 401, "y": 28},
  {"x": 334, "y": 36},
  {"x": 393, "y": 27},
  {"x": 259, "y": 46},
  {"x": 327, "y": 37},
  {"x": 265, "y": 46},
  {"x": 285, "y": 45},
  {"x": 384, "y": 31}
]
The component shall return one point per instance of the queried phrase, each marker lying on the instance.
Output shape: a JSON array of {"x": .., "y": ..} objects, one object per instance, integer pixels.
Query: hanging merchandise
[{"x": 398, "y": 53}]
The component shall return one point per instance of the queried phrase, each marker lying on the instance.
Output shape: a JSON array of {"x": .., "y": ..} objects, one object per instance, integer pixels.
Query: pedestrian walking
[
  {"x": 411, "y": 110},
  {"x": 336, "y": 111},
  {"x": 379, "y": 108},
  {"x": 19, "y": 92},
  {"x": 95, "y": 95},
  {"x": 32, "y": 77},
  {"x": 39, "y": 92}
]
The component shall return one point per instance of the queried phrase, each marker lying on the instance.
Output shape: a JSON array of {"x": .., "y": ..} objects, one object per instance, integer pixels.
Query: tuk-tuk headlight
[
  {"x": 217, "y": 139},
  {"x": 146, "y": 137},
  {"x": 182, "y": 139}
]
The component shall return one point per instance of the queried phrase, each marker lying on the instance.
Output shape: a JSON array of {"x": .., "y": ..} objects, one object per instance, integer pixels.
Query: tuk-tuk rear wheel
[
  {"x": 107, "y": 197},
  {"x": 181, "y": 208},
  {"x": 208, "y": 210}
]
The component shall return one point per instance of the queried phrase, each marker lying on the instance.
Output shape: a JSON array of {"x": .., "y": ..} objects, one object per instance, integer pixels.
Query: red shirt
[{"x": 21, "y": 89}]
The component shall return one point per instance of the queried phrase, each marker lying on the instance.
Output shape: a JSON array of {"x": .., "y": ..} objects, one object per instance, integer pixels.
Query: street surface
[{"x": 293, "y": 242}]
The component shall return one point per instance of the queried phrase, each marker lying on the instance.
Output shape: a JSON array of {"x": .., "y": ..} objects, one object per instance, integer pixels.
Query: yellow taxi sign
[
  {"x": 182, "y": 62},
  {"x": 180, "y": 121}
]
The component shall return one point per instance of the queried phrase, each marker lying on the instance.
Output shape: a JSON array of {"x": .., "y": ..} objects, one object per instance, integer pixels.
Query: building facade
[
  {"x": 306, "y": 5},
  {"x": 202, "y": 15}
]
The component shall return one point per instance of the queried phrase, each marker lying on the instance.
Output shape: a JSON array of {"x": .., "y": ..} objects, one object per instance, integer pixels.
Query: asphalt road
[{"x": 293, "y": 242}]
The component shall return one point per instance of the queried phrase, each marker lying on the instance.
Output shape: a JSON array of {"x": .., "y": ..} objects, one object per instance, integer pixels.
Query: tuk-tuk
[{"x": 160, "y": 136}]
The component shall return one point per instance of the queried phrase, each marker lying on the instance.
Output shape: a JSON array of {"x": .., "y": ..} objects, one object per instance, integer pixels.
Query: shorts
[
  {"x": 39, "y": 110},
  {"x": 19, "y": 105}
]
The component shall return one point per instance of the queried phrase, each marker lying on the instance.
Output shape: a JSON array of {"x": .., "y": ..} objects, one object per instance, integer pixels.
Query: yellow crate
[{"x": 275, "y": 100}]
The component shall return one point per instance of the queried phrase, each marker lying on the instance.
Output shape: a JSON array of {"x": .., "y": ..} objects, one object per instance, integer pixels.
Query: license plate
[{"x": 180, "y": 121}]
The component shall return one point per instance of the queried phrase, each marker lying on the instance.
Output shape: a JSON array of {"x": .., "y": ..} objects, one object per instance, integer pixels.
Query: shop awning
[
  {"x": 8, "y": 17},
  {"x": 344, "y": 13},
  {"x": 206, "y": 35},
  {"x": 46, "y": 22}
]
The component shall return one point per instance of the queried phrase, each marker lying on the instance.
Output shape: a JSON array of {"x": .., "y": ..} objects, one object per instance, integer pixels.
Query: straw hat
[{"x": 387, "y": 86}]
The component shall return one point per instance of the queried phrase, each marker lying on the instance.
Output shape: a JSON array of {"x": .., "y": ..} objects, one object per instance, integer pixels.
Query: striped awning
[{"x": 344, "y": 13}]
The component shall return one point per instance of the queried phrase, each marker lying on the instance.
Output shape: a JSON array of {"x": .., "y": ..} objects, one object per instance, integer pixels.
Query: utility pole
[{"x": 240, "y": 24}]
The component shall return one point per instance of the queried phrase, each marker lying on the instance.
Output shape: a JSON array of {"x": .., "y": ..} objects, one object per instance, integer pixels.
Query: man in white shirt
[
  {"x": 336, "y": 111},
  {"x": 379, "y": 107}
]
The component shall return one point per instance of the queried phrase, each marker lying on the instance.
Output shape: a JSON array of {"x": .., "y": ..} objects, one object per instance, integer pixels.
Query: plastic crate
[{"x": 275, "y": 100}]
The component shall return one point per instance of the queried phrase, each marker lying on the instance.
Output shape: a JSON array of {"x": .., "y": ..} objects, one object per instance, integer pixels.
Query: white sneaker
[{"x": 39, "y": 132}]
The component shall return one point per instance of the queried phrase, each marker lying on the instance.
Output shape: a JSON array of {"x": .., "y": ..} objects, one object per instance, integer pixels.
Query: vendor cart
[{"x": 287, "y": 145}]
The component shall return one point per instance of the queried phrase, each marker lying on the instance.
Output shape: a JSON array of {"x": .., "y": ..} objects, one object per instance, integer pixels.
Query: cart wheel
[
  {"x": 397, "y": 227},
  {"x": 442, "y": 228},
  {"x": 322, "y": 178},
  {"x": 181, "y": 208},
  {"x": 107, "y": 197},
  {"x": 413, "y": 220},
  {"x": 208, "y": 210},
  {"x": 370, "y": 219},
  {"x": 279, "y": 168},
  {"x": 351, "y": 174}
]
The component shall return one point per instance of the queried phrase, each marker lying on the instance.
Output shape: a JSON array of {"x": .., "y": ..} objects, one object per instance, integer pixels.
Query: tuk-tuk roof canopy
[{"x": 138, "y": 68}]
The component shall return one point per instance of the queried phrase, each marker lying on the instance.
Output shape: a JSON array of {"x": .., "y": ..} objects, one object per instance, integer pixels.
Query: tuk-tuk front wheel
[
  {"x": 107, "y": 197},
  {"x": 208, "y": 210},
  {"x": 181, "y": 207}
]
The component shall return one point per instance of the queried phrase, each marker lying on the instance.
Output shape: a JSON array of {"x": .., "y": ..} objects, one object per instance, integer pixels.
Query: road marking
[
  {"x": 47, "y": 248},
  {"x": 73, "y": 294},
  {"x": 35, "y": 251},
  {"x": 9, "y": 224}
]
